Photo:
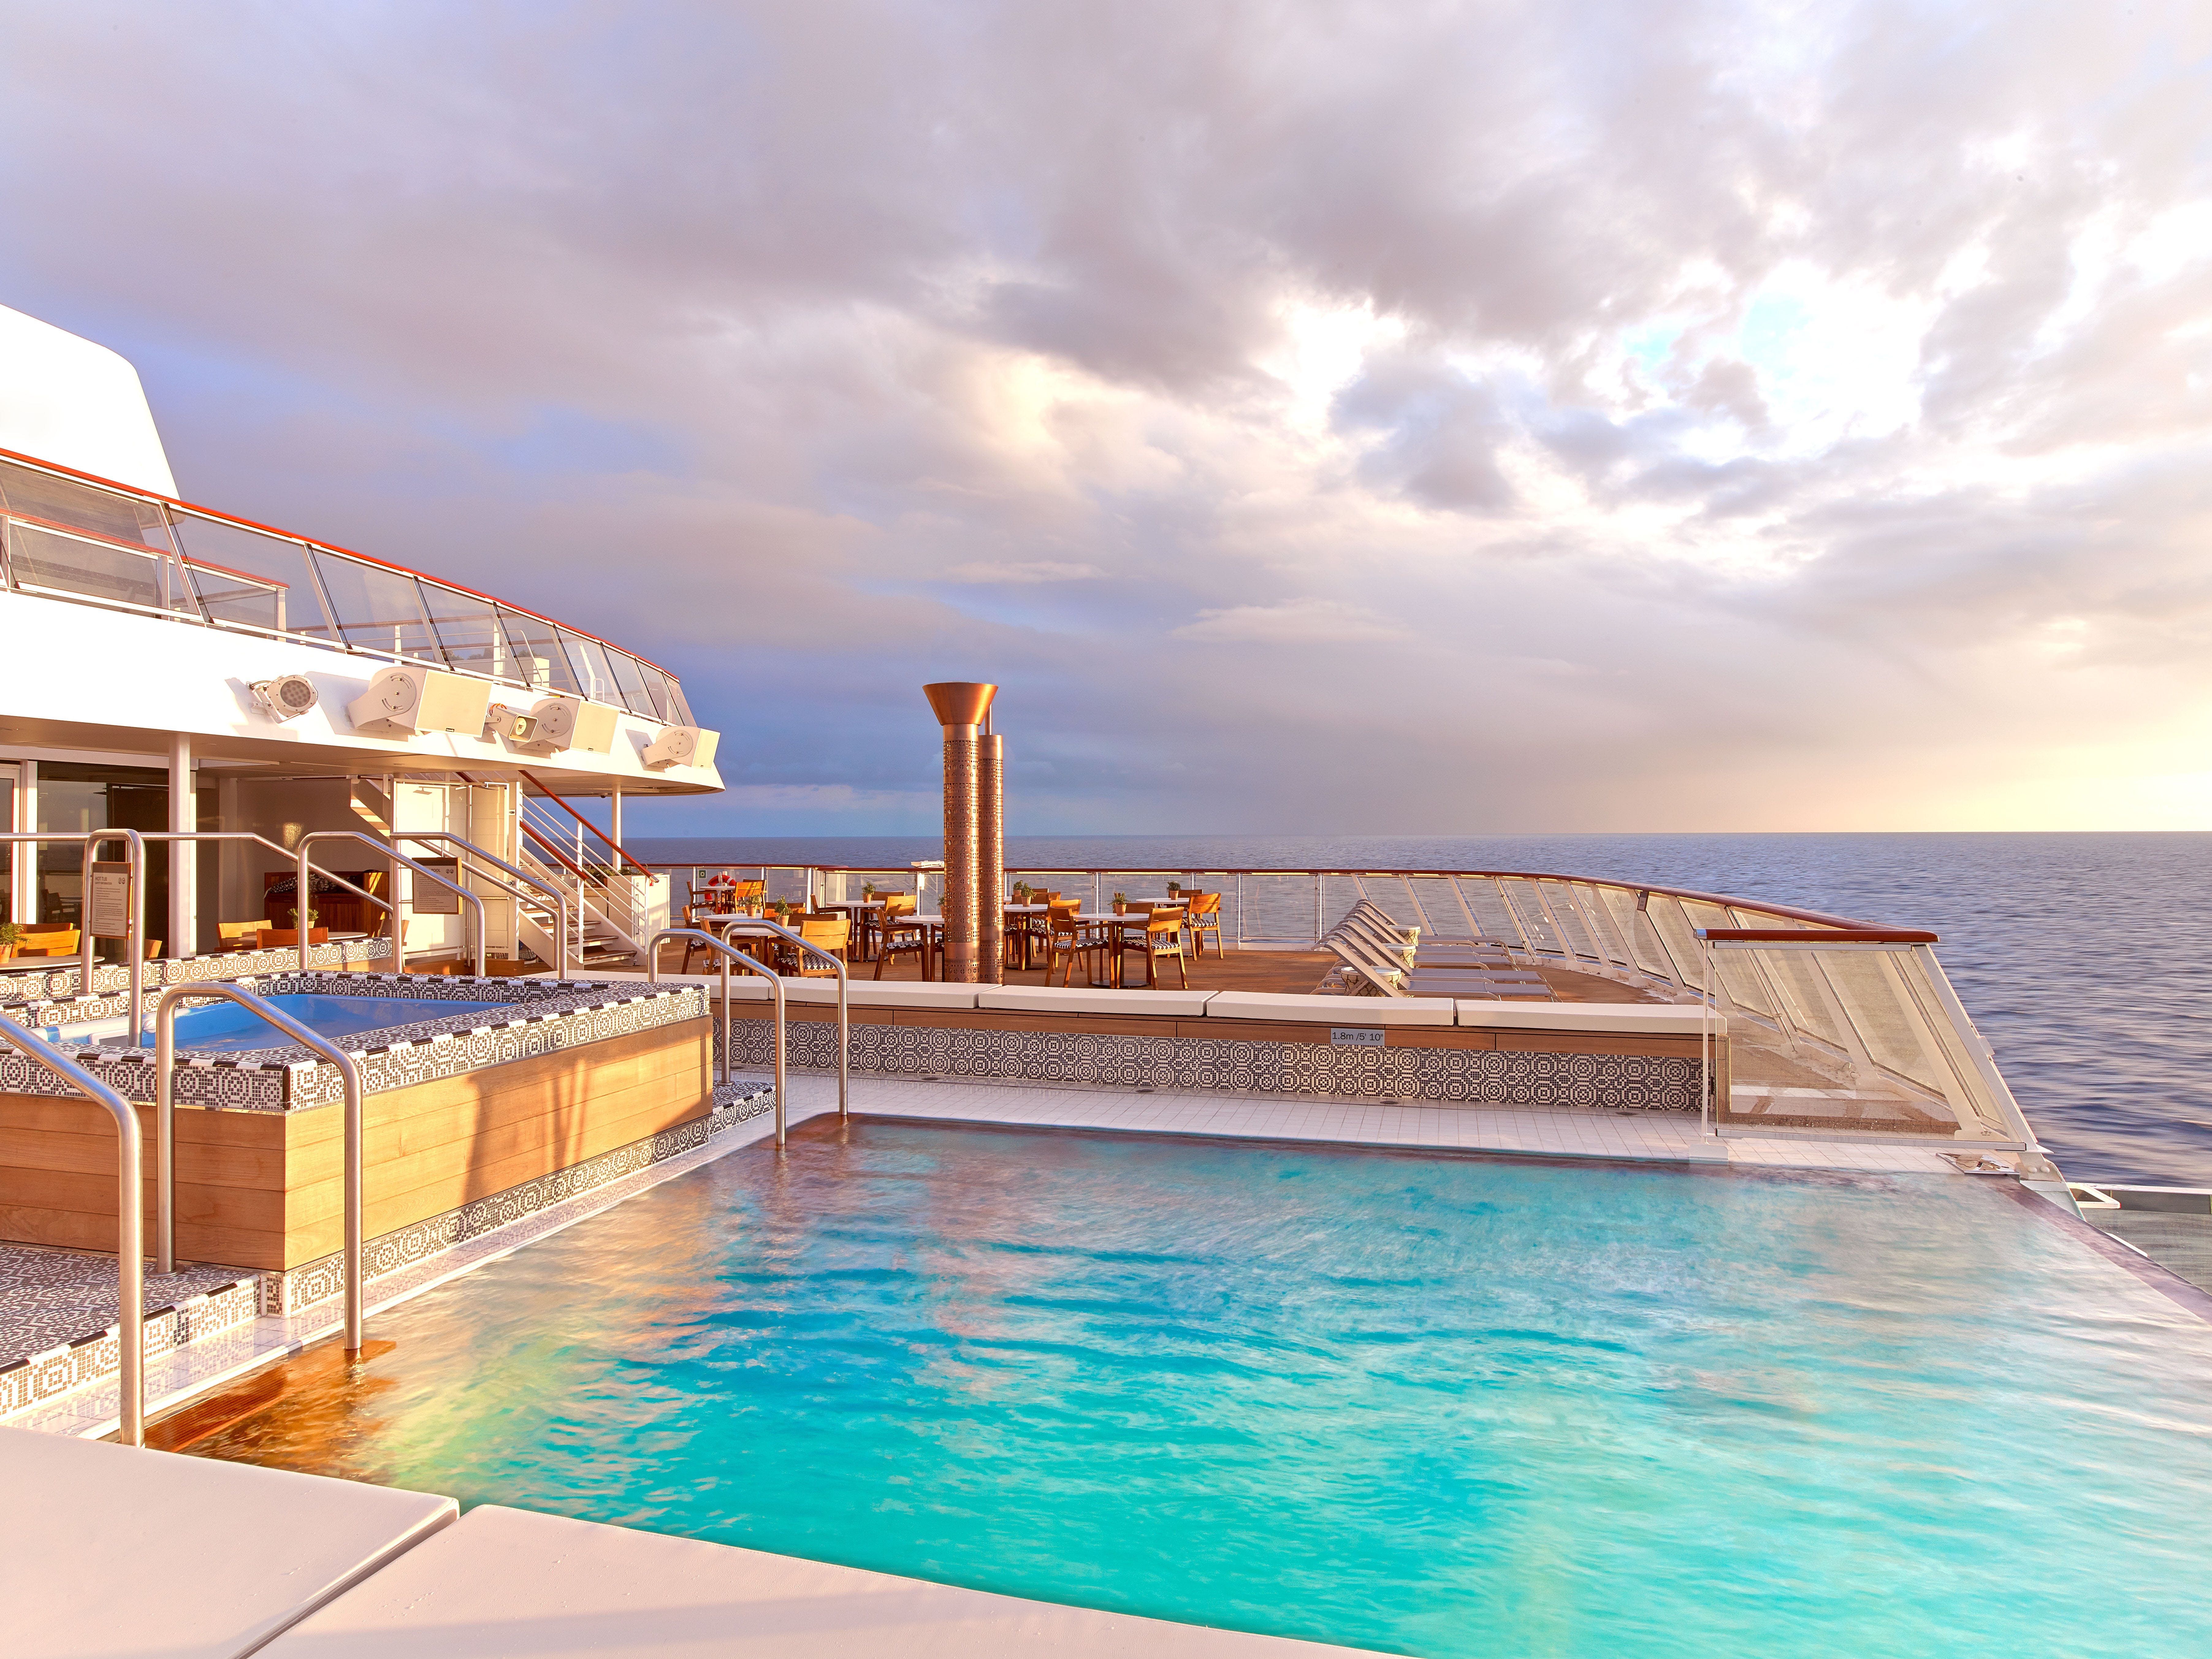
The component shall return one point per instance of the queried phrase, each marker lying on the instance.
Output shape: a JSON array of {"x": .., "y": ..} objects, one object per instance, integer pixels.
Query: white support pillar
[
  {"x": 183, "y": 938},
  {"x": 613, "y": 814},
  {"x": 25, "y": 853}
]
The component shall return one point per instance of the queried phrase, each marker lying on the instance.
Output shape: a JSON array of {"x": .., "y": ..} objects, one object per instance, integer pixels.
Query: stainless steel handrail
[
  {"x": 761, "y": 927},
  {"x": 560, "y": 898},
  {"x": 398, "y": 922},
  {"x": 134, "y": 943},
  {"x": 165, "y": 1175},
  {"x": 130, "y": 1224},
  {"x": 729, "y": 954}
]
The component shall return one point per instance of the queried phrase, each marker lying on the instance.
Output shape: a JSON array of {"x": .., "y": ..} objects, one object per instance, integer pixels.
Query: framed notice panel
[
  {"x": 432, "y": 900},
  {"x": 107, "y": 902}
]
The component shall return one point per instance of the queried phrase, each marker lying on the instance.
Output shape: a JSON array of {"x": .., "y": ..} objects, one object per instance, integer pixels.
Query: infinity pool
[
  {"x": 1428, "y": 1406},
  {"x": 224, "y": 1027}
]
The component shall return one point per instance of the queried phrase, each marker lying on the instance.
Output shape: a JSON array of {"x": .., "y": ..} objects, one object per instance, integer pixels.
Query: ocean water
[
  {"x": 1435, "y": 1405},
  {"x": 2086, "y": 959}
]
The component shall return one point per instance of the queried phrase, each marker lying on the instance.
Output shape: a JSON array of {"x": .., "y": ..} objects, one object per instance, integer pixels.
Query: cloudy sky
[{"x": 1319, "y": 418}]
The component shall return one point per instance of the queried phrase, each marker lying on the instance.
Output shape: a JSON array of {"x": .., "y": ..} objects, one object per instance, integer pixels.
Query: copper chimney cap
[{"x": 959, "y": 702}]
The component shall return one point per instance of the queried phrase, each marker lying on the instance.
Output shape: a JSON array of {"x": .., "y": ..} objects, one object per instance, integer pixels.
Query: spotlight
[{"x": 286, "y": 697}]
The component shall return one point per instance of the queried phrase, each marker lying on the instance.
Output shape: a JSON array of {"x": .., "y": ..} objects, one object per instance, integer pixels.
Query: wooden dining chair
[
  {"x": 902, "y": 936},
  {"x": 1068, "y": 941},
  {"x": 830, "y": 933},
  {"x": 1203, "y": 917},
  {"x": 1161, "y": 940}
]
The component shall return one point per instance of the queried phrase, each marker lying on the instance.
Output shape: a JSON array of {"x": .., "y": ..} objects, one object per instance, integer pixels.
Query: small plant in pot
[
  {"x": 276, "y": 937},
  {"x": 1121, "y": 904},
  {"x": 11, "y": 935}
]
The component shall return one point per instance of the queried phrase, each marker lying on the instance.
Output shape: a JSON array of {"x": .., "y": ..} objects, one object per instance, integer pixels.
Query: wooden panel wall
[{"x": 266, "y": 1189}]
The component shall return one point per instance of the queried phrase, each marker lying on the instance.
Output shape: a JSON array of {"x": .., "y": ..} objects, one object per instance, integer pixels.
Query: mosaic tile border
[
  {"x": 298, "y": 1288},
  {"x": 1480, "y": 1077},
  {"x": 41, "y": 1376},
  {"x": 548, "y": 1015}
]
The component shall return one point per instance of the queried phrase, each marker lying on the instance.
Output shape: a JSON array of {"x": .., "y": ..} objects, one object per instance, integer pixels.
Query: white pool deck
[{"x": 91, "y": 1567}]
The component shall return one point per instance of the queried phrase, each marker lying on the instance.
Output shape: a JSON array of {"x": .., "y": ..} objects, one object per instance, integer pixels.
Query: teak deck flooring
[{"x": 1294, "y": 972}]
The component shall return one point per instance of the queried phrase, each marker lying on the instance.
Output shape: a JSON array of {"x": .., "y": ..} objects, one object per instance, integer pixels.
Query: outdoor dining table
[{"x": 864, "y": 925}]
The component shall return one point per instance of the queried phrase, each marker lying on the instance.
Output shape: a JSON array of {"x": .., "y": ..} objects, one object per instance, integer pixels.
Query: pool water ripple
[{"x": 1433, "y": 1406}]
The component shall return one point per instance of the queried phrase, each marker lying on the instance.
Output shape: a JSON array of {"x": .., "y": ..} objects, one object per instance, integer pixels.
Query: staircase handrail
[
  {"x": 560, "y": 899},
  {"x": 399, "y": 938},
  {"x": 638, "y": 864}
]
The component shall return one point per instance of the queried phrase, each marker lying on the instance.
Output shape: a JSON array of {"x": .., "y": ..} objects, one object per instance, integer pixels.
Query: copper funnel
[{"x": 959, "y": 702}]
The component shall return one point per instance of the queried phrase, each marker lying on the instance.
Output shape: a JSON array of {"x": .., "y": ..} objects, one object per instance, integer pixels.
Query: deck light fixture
[
  {"x": 286, "y": 697},
  {"x": 961, "y": 707}
]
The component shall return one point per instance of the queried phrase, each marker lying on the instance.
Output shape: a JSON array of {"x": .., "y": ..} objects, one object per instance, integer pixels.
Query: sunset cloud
[{"x": 1590, "y": 415}]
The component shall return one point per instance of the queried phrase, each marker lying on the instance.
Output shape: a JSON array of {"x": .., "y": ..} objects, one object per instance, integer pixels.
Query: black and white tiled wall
[{"x": 1200, "y": 1064}]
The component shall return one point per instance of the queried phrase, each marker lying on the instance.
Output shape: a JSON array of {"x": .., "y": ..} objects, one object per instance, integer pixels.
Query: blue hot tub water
[
  {"x": 224, "y": 1027},
  {"x": 1428, "y": 1406}
]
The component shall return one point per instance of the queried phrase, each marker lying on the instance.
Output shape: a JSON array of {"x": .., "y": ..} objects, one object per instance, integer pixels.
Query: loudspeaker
[
  {"x": 681, "y": 745},
  {"x": 404, "y": 700}
]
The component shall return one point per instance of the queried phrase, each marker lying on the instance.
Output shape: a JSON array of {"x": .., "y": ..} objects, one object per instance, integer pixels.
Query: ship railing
[
  {"x": 65, "y": 535},
  {"x": 1859, "y": 1027}
]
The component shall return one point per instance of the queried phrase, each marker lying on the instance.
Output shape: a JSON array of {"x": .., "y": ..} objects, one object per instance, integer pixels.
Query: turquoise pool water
[
  {"x": 224, "y": 1027},
  {"x": 1428, "y": 1406}
]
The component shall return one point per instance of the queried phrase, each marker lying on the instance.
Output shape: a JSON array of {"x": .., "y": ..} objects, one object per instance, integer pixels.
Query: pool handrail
[
  {"x": 129, "y": 1224},
  {"x": 762, "y": 928},
  {"x": 134, "y": 945},
  {"x": 165, "y": 1109},
  {"x": 302, "y": 893},
  {"x": 560, "y": 899}
]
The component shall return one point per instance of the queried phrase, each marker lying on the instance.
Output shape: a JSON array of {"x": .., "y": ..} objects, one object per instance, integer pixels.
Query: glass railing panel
[
  {"x": 595, "y": 678},
  {"x": 657, "y": 695},
  {"x": 1647, "y": 954},
  {"x": 1443, "y": 915},
  {"x": 1568, "y": 919},
  {"x": 1527, "y": 905},
  {"x": 1612, "y": 948},
  {"x": 234, "y": 568},
  {"x": 1277, "y": 909},
  {"x": 1739, "y": 975},
  {"x": 631, "y": 683},
  {"x": 1916, "y": 971},
  {"x": 30, "y": 494},
  {"x": 469, "y": 633},
  {"x": 1494, "y": 920},
  {"x": 1882, "y": 1014},
  {"x": 1796, "y": 980},
  {"x": 240, "y": 601},
  {"x": 1393, "y": 898},
  {"x": 379, "y": 608},
  {"x": 1340, "y": 896},
  {"x": 92, "y": 568},
  {"x": 1677, "y": 936},
  {"x": 541, "y": 660}
]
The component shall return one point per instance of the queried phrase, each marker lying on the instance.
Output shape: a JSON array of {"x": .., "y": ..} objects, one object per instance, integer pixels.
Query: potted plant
[
  {"x": 1174, "y": 887},
  {"x": 277, "y": 937},
  {"x": 867, "y": 890},
  {"x": 1120, "y": 904},
  {"x": 11, "y": 935}
]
